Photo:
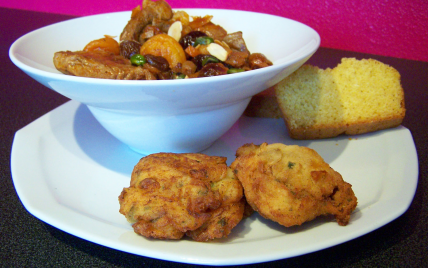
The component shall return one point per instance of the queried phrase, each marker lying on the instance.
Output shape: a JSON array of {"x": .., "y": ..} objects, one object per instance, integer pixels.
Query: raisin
[
  {"x": 212, "y": 69},
  {"x": 158, "y": 62},
  {"x": 190, "y": 38},
  {"x": 166, "y": 75},
  {"x": 129, "y": 48},
  {"x": 202, "y": 59}
]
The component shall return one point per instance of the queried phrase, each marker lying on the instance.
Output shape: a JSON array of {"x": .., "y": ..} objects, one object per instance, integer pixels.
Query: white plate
[{"x": 68, "y": 172}]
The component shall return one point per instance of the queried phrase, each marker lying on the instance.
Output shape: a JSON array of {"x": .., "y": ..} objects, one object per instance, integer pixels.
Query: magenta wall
[{"x": 383, "y": 27}]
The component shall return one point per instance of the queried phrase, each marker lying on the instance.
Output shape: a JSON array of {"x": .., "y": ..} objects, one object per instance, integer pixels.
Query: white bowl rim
[{"x": 156, "y": 83}]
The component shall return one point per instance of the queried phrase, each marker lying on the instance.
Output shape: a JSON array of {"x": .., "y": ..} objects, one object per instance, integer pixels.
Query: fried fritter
[
  {"x": 292, "y": 184},
  {"x": 171, "y": 195},
  {"x": 221, "y": 222}
]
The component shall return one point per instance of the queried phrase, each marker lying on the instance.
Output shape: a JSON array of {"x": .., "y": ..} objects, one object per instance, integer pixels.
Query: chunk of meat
[
  {"x": 159, "y": 8},
  {"x": 99, "y": 65},
  {"x": 140, "y": 18},
  {"x": 236, "y": 41},
  {"x": 258, "y": 60},
  {"x": 237, "y": 58},
  {"x": 148, "y": 32},
  {"x": 204, "y": 24}
]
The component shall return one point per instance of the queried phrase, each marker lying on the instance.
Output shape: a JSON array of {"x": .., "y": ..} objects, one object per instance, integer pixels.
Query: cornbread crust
[
  {"x": 264, "y": 105},
  {"x": 356, "y": 97}
]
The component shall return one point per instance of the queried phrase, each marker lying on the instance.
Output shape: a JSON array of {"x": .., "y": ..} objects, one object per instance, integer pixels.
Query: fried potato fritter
[
  {"x": 292, "y": 184},
  {"x": 171, "y": 195}
]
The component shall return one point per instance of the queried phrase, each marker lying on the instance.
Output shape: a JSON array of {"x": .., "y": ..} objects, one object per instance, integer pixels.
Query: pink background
[{"x": 383, "y": 27}]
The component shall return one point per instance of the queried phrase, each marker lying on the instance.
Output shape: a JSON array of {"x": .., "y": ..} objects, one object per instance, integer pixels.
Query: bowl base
[{"x": 173, "y": 150}]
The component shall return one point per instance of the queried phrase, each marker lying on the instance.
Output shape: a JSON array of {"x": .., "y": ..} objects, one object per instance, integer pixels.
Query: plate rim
[{"x": 32, "y": 206}]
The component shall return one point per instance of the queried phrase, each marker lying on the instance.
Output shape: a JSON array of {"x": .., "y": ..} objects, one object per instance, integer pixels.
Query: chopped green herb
[
  {"x": 180, "y": 76},
  {"x": 222, "y": 222},
  {"x": 235, "y": 70},
  {"x": 202, "y": 193},
  {"x": 210, "y": 59},
  {"x": 203, "y": 40}
]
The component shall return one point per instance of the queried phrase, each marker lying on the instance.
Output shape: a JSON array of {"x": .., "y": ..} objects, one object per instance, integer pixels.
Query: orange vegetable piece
[
  {"x": 192, "y": 51},
  {"x": 165, "y": 46},
  {"x": 107, "y": 44}
]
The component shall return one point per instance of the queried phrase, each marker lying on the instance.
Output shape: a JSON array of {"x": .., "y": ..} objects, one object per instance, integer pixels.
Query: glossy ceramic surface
[
  {"x": 170, "y": 115},
  {"x": 68, "y": 171}
]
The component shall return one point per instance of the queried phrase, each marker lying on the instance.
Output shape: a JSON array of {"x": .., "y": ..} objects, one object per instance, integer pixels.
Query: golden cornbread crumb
[{"x": 357, "y": 96}]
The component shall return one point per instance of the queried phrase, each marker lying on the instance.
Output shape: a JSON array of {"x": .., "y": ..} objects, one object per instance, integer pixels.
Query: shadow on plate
[
  {"x": 100, "y": 145},
  {"x": 106, "y": 150},
  {"x": 259, "y": 130}
]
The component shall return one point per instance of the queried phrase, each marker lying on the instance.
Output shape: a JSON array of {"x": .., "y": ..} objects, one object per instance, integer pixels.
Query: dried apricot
[
  {"x": 107, "y": 44},
  {"x": 165, "y": 46}
]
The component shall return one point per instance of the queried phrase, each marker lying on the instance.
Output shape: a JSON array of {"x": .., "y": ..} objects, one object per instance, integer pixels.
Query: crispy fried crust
[
  {"x": 221, "y": 222},
  {"x": 175, "y": 194},
  {"x": 292, "y": 184}
]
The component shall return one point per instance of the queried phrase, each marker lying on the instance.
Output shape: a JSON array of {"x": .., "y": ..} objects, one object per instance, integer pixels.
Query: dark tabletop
[{"x": 25, "y": 241}]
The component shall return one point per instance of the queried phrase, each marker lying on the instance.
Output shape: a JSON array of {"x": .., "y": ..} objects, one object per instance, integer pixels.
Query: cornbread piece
[
  {"x": 264, "y": 104},
  {"x": 292, "y": 184},
  {"x": 172, "y": 195},
  {"x": 357, "y": 96}
]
